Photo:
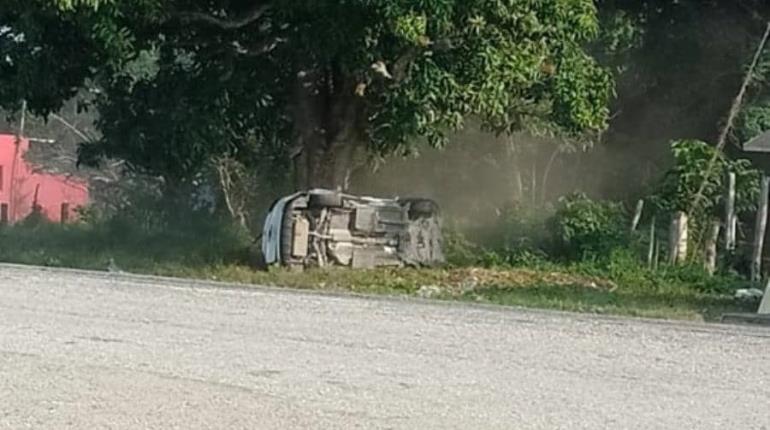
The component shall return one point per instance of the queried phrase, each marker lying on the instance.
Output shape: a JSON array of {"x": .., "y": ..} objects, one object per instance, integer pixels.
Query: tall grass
[{"x": 94, "y": 245}]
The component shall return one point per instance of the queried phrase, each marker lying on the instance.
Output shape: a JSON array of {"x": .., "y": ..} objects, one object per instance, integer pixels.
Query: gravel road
[{"x": 92, "y": 351}]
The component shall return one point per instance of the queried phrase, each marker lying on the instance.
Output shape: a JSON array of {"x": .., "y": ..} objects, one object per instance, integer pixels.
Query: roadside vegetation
[
  {"x": 561, "y": 137},
  {"x": 585, "y": 261}
]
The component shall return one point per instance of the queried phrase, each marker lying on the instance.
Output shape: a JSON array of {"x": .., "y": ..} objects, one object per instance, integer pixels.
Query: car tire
[
  {"x": 325, "y": 200},
  {"x": 422, "y": 208},
  {"x": 287, "y": 236}
]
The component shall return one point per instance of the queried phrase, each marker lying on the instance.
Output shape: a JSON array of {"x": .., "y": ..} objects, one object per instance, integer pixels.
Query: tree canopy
[{"x": 320, "y": 83}]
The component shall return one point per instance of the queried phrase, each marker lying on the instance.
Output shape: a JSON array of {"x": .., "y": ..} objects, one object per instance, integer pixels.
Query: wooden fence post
[
  {"x": 534, "y": 184},
  {"x": 637, "y": 214},
  {"x": 730, "y": 220},
  {"x": 651, "y": 249},
  {"x": 711, "y": 246},
  {"x": 678, "y": 238},
  {"x": 760, "y": 228}
]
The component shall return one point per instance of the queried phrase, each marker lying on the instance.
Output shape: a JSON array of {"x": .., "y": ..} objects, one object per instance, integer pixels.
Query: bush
[
  {"x": 580, "y": 228},
  {"x": 753, "y": 120},
  {"x": 139, "y": 239},
  {"x": 35, "y": 218},
  {"x": 623, "y": 267},
  {"x": 513, "y": 257},
  {"x": 583, "y": 228},
  {"x": 459, "y": 251},
  {"x": 517, "y": 237},
  {"x": 690, "y": 172},
  {"x": 516, "y": 228}
]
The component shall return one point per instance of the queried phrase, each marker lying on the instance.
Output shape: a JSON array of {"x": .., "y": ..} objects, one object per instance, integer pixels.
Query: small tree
[
  {"x": 583, "y": 227},
  {"x": 679, "y": 185}
]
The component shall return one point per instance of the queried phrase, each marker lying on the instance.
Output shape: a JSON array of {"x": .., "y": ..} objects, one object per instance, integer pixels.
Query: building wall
[{"x": 21, "y": 186}]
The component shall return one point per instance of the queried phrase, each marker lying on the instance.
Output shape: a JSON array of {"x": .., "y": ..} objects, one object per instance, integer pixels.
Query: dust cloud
[{"x": 479, "y": 175}]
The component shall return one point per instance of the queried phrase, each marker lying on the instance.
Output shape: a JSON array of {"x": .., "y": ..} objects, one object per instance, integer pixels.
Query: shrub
[
  {"x": 459, "y": 251},
  {"x": 514, "y": 257},
  {"x": 677, "y": 190},
  {"x": 753, "y": 120},
  {"x": 583, "y": 228},
  {"x": 516, "y": 237},
  {"x": 517, "y": 227}
]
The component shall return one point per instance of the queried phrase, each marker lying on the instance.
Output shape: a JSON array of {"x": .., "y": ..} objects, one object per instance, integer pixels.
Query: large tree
[{"x": 321, "y": 82}]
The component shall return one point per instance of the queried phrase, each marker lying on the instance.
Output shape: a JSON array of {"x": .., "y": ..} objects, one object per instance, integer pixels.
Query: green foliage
[
  {"x": 584, "y": 228},
  {"x": 579, "y": 229},
  {"x": 679, "y": 187},
  {"x": 508, "y": 243},
  {"x": 513, "y": 257},
  {"x": 72, "y": 4},
  {"x": 753, "y": 120},
  {"x": 135, "y": 240},
  {"x": 621, "y": 33},
  {"x": 747, "y": 179},
  {"x": 459, "y": 251},
  {"x": 168, "y": 124},
  {"x": 624, "y": 267},
  {"x": 516, "y": 235},
  {"x": 678, "y": 78},
  {"x": 214, "y": 251},
  {"x": 518, "y": 227},
  {"x": 44, "y": 55},
  {"x": 149, "y": 239},
  {"x": 412, "y": 28},
  {"x": 222, "y": 80},
  {"x": 681, "y": 183},
  {"x": 35, "y": 218}
]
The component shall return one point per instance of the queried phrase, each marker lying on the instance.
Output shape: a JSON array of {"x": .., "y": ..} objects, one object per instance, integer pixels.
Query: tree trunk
[
  {"x": 637, "y": 215},
  {"x": 764, "y": 305},
  {"x": 519, "y": 184},
  {"x": 229, "y": 182},
  {"x": 512, "y": 164},
  {"x": 651, "y": 248},
  {"x": 534, "y": 183},
  {"x": 759, "y": 231},
  {"x": 328, "y": 123},
  {"x": 678, "y": 239},
  {"x": 547, "y": 174},
  {"x": 320, "y": 163},
  {"x": 711, "y": 247},
  {"x": 730, "y": 213}
]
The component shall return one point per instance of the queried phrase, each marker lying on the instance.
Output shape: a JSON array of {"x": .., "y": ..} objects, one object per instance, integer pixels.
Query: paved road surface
[{"x": 87, "y": 351}]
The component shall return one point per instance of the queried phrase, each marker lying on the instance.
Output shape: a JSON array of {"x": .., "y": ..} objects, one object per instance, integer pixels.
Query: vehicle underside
[{"x": 325, "y": 229}]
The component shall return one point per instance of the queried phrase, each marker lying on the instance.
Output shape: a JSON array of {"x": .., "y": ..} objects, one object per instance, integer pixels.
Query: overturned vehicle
[{"x": 323, "y": 228}]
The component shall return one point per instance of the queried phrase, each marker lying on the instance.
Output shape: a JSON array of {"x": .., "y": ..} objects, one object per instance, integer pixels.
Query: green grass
[{"x": 209, "y": 251}]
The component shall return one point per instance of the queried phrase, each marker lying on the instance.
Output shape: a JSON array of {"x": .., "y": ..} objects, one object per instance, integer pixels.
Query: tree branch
[
  {"x": 402, "y": 63},
  {"x": 227, "y": 24},
  {"x": 72, "y": 128},
  {"x": 735, "y": 109},
  {"x": 260, "y": 48}
]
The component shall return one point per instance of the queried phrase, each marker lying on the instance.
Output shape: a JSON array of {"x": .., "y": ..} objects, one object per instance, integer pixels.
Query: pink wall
[{"x": 19, "y": 183}]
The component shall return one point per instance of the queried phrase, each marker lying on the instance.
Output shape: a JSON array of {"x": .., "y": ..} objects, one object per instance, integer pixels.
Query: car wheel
[
  {"x": 325, "y": 200},
  {"x": 421, "y": 208}
]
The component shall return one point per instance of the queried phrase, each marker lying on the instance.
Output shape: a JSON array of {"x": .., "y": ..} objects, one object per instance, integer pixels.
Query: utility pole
[{"x": 15, "y": 162}]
